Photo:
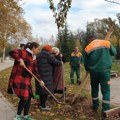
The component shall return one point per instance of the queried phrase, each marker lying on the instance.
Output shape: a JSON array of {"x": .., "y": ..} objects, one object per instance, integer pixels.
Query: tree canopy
[{"x": 13, "y": 26}]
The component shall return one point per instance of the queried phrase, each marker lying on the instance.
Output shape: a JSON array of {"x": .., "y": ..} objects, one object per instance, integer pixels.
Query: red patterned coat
[{"x": 20, "y": 79}]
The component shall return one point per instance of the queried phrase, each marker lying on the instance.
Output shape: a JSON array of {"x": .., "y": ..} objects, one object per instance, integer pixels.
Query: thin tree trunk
[{"x": 3, "y": 56}]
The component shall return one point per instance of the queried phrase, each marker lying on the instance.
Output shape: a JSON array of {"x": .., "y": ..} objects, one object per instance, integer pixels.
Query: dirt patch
[{"x": 80, "y": 110}]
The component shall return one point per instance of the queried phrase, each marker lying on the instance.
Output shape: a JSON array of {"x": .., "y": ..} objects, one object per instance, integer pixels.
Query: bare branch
[{"x": 112, "y": 2}]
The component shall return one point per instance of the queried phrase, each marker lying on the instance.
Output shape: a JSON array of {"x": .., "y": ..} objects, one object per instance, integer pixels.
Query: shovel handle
[
  {"x": 79, "y": 89},
  {"x": 43, "y": 86}
]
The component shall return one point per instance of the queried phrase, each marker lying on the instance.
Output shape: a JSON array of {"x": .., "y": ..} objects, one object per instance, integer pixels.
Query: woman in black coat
[{"x": 45, "y": 63}]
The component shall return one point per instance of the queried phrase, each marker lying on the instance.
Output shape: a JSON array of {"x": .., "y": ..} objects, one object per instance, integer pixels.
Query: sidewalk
[
  {"x": 6, "y": 64},
  {"x": 115, "y": 91},
  {"x": 7, "y": 111}
]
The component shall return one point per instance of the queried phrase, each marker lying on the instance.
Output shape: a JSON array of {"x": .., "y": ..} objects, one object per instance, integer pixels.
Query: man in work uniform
[
  {"x": 98, "y": 62},
  {"x": 75, "y": 61}
]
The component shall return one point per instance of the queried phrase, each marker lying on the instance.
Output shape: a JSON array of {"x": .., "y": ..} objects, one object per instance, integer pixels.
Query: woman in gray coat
[{"x": 45, "y": 63}]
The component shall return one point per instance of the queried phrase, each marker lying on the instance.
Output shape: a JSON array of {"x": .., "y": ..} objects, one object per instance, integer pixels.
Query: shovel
[
  {"x": 80, "y": 87},
  {"x": 44, "y": 86}
]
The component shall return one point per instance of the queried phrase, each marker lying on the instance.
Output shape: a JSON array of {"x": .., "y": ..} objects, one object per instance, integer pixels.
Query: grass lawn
[{"x": 81, "y": 110}]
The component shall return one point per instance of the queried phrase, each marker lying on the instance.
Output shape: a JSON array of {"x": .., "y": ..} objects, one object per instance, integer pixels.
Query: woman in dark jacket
[
  {"x": 45, "y": 63},
  {"x": 20, "y": 79}
]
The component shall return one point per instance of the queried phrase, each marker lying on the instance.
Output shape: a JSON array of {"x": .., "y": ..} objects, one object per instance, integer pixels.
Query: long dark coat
[
  {"x": 20, "y": 79},
  {"x": 58, "y": 79},
  {"x": 45, "y": 63}
]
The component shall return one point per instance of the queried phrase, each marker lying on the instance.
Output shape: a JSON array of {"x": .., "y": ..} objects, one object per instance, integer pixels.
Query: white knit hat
[{"x": 55, "y": 50}]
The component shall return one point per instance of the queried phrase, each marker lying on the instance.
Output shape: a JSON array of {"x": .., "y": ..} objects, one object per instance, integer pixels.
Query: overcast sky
[{"x": 41, "y": 19}]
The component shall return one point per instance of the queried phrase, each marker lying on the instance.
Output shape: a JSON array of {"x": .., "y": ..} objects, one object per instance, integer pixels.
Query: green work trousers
[
  {"x": 73, "y": 70},
  {"x": 102, "y": 78}
]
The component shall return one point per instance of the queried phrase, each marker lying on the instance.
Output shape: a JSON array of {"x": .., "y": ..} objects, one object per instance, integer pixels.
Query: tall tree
[
  {"x": 117, "y": 35},
  {"x": 13, "y": 27},
  {"x": 80, "y": 35},
  {"x": 67, "y": 42},
  {"x": 100, "y": 28}
]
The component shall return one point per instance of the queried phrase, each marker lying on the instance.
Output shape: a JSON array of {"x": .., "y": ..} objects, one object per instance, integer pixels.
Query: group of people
[
  {"x": 97, "y": 61},
  {"x": 42, "y": 66}
]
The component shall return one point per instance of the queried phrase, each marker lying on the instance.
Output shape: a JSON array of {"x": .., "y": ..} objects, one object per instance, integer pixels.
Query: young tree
[{"x": 60, "y": 13}]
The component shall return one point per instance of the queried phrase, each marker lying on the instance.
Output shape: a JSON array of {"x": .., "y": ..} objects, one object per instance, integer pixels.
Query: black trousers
[
  {"x": 43, "y": 99},
  {"x": 24, "y": 104}
]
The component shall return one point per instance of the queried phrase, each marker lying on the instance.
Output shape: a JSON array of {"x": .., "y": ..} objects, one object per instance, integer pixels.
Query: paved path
[
  {"x": 115, "y": 91},
  {"x": 7, "y": 111},
  {"x": 6, "y": 64}
]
